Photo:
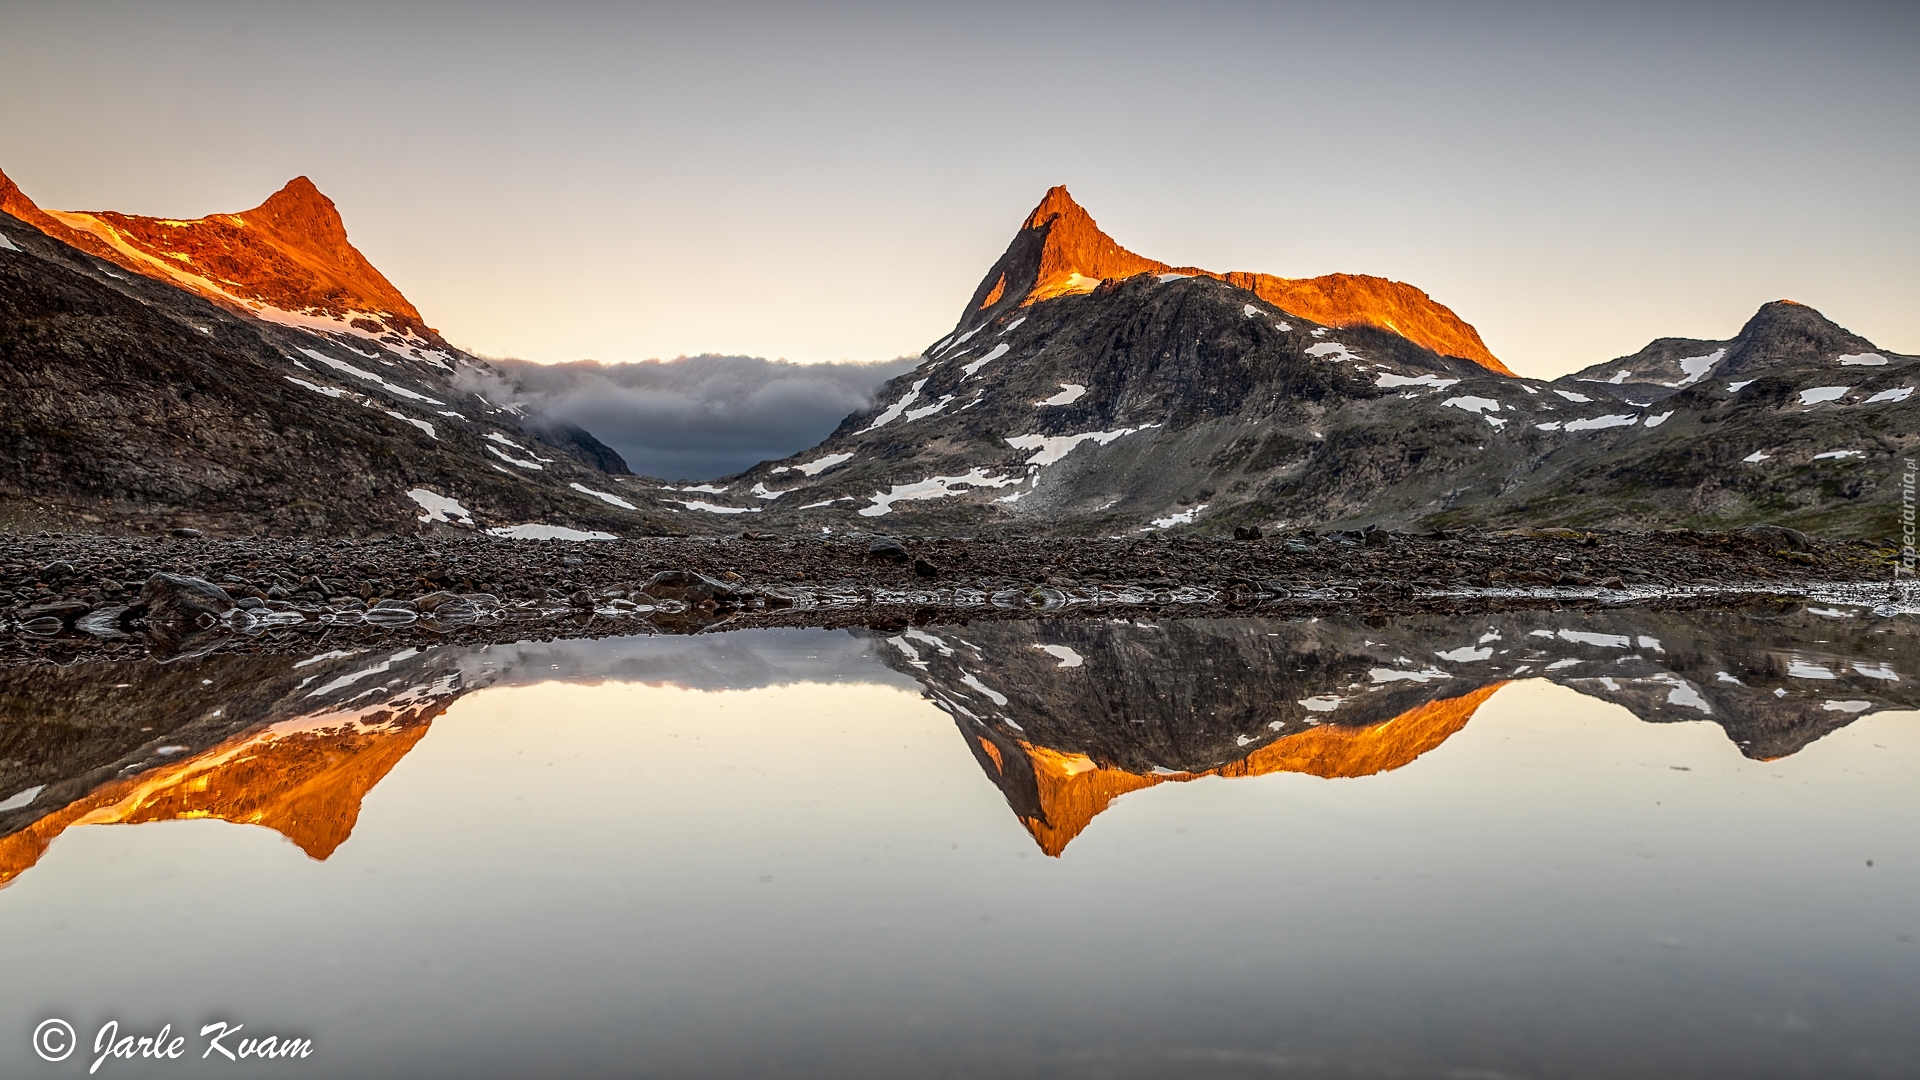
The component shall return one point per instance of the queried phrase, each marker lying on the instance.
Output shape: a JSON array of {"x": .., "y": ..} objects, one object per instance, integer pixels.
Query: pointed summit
[
  {"x": 287, "y": 260},
  {"x": 1060, "y": 250},
  {"x": 299, "y": 211}
]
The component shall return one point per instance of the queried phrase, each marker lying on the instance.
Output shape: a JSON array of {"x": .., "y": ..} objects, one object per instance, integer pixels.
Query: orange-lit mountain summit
[
  {"x": 287, "y": 260},
  {"x": 1061, "y": 250}
]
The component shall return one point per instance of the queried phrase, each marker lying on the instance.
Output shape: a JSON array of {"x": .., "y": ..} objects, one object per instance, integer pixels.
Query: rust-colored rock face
[
  {"x": 1074, "y": 790},
  {"x": 1061, "y": 250},
  {"x": 287, "y": 260}
]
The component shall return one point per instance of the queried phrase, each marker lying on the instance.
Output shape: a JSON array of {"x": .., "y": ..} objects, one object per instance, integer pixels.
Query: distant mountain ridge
[{"x": 1086, "y": 389}]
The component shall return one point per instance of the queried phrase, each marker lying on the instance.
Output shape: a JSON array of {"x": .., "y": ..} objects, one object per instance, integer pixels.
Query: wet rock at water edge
[
  {"x": 689, "y": 588},
  {"x": 182, "y": 614}
]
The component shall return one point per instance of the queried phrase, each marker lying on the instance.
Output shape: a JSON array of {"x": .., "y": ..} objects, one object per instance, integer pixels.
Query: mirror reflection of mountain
[
  {"x": 1064, "y": 716},
  {"x": 295, "y": 744}
]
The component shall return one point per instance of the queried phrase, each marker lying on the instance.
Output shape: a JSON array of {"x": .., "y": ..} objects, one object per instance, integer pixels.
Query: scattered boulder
[
  {"x": 888, "y": 549},
  {"x": 182, "y": 613},
  {"x": 176, "y": 600},
  {"x": 1777, "y": 537},
  {"x": 689, "y": 588}
]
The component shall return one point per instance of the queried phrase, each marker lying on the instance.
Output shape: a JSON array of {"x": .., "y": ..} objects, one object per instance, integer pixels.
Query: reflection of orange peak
[
  {"x": 304, "y": 782},
  {"x": 290, "y": 253},
  {"x": 1073, "y": 255},
  {"x": 1073, "y": 789}
]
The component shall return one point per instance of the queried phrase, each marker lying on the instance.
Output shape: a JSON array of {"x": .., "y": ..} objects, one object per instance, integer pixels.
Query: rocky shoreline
[{"x": 71, "y": 598}]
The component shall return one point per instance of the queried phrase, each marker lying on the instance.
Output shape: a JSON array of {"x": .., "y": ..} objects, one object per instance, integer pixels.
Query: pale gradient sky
[{"x": 825, "y": 182}]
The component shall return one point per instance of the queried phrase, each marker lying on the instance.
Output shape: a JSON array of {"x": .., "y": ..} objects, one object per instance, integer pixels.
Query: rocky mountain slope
[
  {"x": 1092, "y": 391},
  {"x": 254, "y": 373}
]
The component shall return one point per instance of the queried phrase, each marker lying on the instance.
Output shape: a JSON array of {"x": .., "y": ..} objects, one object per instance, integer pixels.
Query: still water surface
[{"x": 1544, "y": 844}]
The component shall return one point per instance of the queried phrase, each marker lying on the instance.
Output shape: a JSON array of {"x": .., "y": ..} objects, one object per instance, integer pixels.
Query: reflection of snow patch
[
  {"x": 1067, "y": 657},
  {"x": 967, "y": 679},
  {"x": 1683, "y": 694},
  {"x": 1897, "y": 394},
  {"x": 1323, "y": 703},
  {"x": 23, "y": 798},
  {"x": 1069, "y": 393},
  {"x": 1883, "y": 671},
  {"x": 1656, "y": 421},
  {"x": 1865, "y": 359},
  {"x": 1465, "y": 653},
  {"x": 1605, "y": 641},
  {"x": 1571, "y": 396},
  {"x": 1818, "y": 394},
  {"x": 1387, "y": 675},
  {"x": 1839, "y": 454},
  {"x": 1473, "y": 404},
  {"x": 711, "y": 508},
  {"x": 1800, "y": 669},
  {"x": 1847, "y": 706}
]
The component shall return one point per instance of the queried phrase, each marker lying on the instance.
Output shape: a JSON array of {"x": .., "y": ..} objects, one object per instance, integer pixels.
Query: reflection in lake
[{"x": 764, "y": 852}]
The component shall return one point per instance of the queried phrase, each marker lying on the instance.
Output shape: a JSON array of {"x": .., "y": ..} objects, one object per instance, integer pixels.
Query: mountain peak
[
  {"x": 300, "y": 211},
  {"x": 287, "y": 260},
  {"x": 1060, "y": 250}
]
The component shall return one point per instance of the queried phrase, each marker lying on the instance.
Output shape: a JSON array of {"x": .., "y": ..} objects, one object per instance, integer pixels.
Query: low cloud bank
[{"x": 697, "y": 417}]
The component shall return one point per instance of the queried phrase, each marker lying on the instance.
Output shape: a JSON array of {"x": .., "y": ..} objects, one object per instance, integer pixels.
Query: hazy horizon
[{"x": 829, "y": 182}]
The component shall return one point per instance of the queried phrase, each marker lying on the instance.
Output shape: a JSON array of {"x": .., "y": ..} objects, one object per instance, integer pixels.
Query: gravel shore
[{"x": 69, "y": 597}]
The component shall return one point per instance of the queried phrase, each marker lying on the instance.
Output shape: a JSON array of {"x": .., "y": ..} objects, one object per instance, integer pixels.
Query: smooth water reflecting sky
[{"x": 621, "y": 878}]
